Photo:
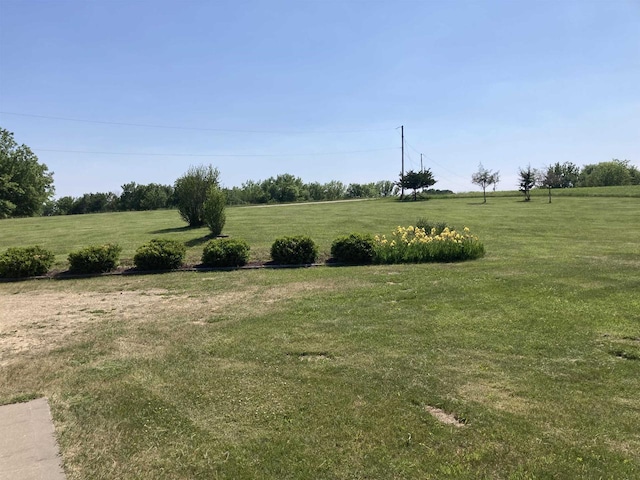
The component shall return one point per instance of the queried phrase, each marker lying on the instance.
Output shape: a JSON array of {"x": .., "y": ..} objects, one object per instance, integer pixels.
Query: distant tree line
[
  {"x": 564, "y": 175},
  {"x": 288, "y": 188},
  {"x": 603, "y": 174},
  {"x": 26, "y": 186},
  {"x": 134, "y": 197},
  {"x": 568, "y": 175},
  {"x": 281, "y": 189}
]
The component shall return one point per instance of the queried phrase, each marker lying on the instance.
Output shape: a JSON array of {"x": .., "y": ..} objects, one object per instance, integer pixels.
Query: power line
[
  {"x": 202, "y": 129},
  {"x": 230, "y": 155},
  {"x": 444, "y": 177},
  {"x": 435, "y": 163}
]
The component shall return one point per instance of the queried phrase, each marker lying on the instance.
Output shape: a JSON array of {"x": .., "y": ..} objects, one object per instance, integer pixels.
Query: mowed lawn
[{"x": 532, "y": 352}]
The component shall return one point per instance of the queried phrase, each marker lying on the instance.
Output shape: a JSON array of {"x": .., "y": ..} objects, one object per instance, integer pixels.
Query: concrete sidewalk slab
[{"x": 28, "y": 449}]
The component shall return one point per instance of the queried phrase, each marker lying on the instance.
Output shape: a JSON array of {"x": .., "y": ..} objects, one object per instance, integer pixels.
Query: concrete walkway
[{"x": 28, "y": 449}]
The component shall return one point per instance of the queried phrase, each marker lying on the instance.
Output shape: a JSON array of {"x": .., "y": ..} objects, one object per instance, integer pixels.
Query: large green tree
[
  {"x": 563, "y": 175},
  {"x": 605, "y": 174},
  {"x": 191, "y": 191},
  {"x": 25, "y": 183}
]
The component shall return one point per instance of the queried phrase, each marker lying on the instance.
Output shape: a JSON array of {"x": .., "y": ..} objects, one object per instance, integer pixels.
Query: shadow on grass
[
  {"x": 186, "y": 228},
  {"x": 194, "y": 242}
]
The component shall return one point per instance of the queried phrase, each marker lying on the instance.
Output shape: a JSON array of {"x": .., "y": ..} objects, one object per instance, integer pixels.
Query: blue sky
[{"x": 317, "y": 88}]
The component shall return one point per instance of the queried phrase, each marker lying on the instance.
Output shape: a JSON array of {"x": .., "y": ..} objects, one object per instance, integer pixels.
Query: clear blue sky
[{"x": 317, "y": 88}]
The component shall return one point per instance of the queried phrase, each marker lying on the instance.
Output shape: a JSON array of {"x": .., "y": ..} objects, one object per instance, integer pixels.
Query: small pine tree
[{"x": 528, "y": 180}]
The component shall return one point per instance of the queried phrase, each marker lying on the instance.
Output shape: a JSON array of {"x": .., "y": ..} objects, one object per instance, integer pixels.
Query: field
[{"x": 523, "y": 364}]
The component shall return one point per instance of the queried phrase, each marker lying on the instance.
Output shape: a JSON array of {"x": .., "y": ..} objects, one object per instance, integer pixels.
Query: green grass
[
  {"x": 614, "y": 191},
  {"x": 328, "y": 372}
]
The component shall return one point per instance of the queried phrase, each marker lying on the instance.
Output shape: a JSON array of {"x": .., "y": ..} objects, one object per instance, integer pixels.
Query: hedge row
[
  {"x": 157, "y": 254},
  {"x": 426, "y": 243}
]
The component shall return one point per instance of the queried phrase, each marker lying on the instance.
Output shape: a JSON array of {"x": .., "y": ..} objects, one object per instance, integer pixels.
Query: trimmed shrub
[
  {"x": 25, "y": 262},
  {"x": 160, "y": 254},
  {"x": 225, "y": 252},
  {"x": 95, "y": 259},
  {"x": 294, "y": 250},
  {"x": 213, "y": 210},
  {"x": 356, "y": 249}
]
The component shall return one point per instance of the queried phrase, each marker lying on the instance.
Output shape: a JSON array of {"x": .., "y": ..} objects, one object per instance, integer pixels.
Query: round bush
[
  {"x": 356, "y": 249},
  {"x": 225, "y": 252},
  {"x": 25, "y": 262},
  {"x": 294, "y": 250},
  {"x": 95, "y": 259},
  {"x": 160, "y": 254}
]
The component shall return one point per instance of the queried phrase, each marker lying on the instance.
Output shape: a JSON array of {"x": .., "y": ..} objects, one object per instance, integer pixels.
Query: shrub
[
  {"x": 95, "y": 259},
  {"x": 25, "y": 262},
  {"x": 159, "y": 254},
  {"x": 355, "y": 248},
  {"x": 414, "y": 245},
  {"x": 191, "y": 190},
  {"x": 225, "y": 252},
  {"x": 213, "y": 210},
  {"x": 294, "y": 250}
]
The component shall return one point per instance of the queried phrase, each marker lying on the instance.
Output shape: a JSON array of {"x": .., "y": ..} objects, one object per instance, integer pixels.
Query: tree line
[
  {"x": 26, "y": 186},
  {"x": 568, "y": 175},
  {"x": 564, "y": 175},
  {"x": 284, "y": 188}
]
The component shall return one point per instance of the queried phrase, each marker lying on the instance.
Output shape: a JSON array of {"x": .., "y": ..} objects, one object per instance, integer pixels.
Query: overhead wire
[
  {"x": 230, "y": 155},
  {"x": 429, "y": 159},
  {"x": 203, "y": 129}
]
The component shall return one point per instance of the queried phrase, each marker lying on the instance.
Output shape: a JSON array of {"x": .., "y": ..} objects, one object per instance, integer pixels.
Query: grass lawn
[{"x": 335, "y": 372}]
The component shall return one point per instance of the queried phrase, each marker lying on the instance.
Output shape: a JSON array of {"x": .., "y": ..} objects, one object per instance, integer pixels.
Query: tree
[
  {"x": 335, "y": 190},
  {"x": 284, "y": 188},
  {"x": 563, "y": 175},
  {"x": 483, "y": 178},
  {"x": 386, "y": 188},
  {"x": 605, "y": 174},
  {"x": 315, "y": 191},
  {"x": 25, "y": 184},
  {"x": 550, "y": 179},
  {"x": 191, "y": 192},
  {"x": 528, "y": 180},
  {"x": 361, "y": 190},
  {"x": 253, "y": 193},
  {"x": 416, "y": 181}
]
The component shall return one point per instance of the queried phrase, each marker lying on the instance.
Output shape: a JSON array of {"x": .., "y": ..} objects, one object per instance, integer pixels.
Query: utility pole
[
  {"x": 402, "y": 172},
  {"x": 421, "y": 169}
]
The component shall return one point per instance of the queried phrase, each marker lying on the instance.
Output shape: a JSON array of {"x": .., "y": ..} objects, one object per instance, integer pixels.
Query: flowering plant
[{"x": 415, "y": 245}]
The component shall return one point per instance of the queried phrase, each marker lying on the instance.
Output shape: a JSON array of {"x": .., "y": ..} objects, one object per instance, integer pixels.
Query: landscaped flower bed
[{"x": 415, "y": 245}]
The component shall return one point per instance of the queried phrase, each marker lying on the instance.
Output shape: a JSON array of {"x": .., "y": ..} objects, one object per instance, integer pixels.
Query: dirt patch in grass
[
  {"x": 444, "y": 417},
  {"x": 33, "y": 321},
  {"x": 37, "y": 321}
]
